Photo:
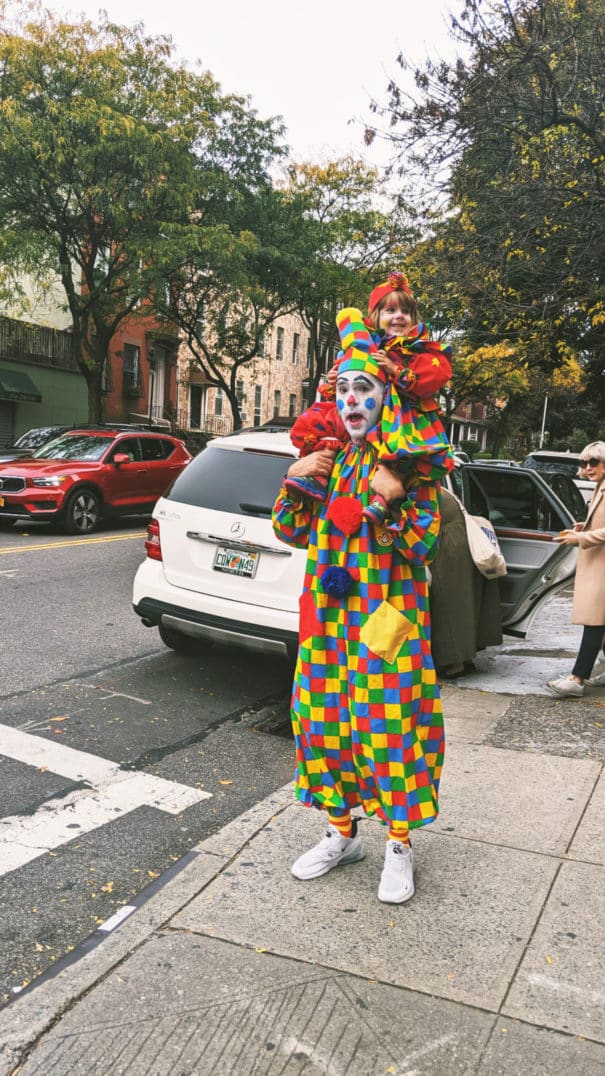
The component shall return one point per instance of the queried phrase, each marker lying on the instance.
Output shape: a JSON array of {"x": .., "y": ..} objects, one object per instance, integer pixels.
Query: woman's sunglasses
[{"x": 592, "y": 462}]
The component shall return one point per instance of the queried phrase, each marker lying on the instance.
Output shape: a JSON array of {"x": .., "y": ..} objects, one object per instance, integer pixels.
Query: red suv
[{"x": 88, "y": 474}]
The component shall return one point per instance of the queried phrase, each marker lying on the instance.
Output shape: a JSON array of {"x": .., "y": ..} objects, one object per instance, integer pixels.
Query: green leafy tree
[
  {"x": 353, "y": 232},
  {"x": 514, "y": 134},
  {"x": 231, "y": 273},
  {"x": 109, "y": 146}
]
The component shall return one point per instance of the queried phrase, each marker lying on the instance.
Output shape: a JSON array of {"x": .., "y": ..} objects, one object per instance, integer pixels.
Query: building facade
[{"x": 274, "y": 383}]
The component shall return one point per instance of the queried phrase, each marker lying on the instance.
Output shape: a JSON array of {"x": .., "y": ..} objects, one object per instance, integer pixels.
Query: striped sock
[
  {"x": 398, "y": 831},
  {"x": 342, "y": 822}
]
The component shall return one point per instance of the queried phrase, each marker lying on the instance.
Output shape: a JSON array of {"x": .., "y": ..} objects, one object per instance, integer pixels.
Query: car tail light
[{"x": 152, "y": 545}]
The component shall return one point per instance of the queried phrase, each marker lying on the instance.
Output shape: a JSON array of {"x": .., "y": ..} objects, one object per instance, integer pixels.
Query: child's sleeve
[
  {"x": 422, "y": 373},
  {"x": 291, "y": 520},
  {"x": 416, "y": 534}
]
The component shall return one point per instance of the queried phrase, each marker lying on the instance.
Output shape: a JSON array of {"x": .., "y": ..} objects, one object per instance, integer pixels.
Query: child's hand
[
  {"x": 387, "y": 364},
  {"x": 332, "y": 376}
]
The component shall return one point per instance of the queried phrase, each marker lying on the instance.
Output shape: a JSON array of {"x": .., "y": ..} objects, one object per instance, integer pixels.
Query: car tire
[
  {"x": 83, "y": 512},
  {"x": 183, "y": 644}
]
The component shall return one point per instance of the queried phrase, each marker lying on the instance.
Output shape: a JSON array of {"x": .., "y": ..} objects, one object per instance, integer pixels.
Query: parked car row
[
  {"x": 215, "y": 572},
  {"x": 89, "y": 474}
]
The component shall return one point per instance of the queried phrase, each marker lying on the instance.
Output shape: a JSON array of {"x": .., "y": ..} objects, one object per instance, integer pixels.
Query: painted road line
[
  {"x": 115, "y": 792},
  {"x": 116, "y": 694},
  {"x": 77, "y": 541}
]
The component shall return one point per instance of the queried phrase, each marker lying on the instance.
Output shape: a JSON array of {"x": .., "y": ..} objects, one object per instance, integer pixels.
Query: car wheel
[
  {"x": 183, "y": 644},
  {"x": 83, "y": 512}
]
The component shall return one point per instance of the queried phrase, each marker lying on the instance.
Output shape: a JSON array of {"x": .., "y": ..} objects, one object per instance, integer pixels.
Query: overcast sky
[{"x": 316, "y": 63}]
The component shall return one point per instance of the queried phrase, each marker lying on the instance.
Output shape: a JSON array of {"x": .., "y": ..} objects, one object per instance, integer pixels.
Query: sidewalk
[{"x": 493, "y": 968}]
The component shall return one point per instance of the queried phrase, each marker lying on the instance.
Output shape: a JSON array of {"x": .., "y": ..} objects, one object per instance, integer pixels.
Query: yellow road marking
[{"x": 76, "y": 541}]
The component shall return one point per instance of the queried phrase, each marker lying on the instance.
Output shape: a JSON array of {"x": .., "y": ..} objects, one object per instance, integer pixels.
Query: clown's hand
[
  {"x": 387, "y": 484},
  {"x": 316, "y": 463}
]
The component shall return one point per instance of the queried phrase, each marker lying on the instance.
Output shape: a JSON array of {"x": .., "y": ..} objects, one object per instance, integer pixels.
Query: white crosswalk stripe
[{"x": 113, "y": 793}]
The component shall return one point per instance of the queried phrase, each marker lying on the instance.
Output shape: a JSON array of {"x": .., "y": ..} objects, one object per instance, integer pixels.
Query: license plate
[{"x": 234, "y": 562}]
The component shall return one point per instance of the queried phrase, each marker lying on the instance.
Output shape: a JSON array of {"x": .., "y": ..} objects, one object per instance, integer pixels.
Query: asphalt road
[{"x": 81, "y": 674}]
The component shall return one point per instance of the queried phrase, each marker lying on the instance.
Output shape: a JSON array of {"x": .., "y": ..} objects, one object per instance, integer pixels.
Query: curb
[{"x": 27, "y": 1018}]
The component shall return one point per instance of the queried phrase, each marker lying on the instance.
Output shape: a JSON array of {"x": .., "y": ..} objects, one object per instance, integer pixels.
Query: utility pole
[{"x": 543, "y": 420}]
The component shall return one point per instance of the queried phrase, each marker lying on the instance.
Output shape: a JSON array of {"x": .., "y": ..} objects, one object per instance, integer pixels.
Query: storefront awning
[{"x": 15, "y": 385}]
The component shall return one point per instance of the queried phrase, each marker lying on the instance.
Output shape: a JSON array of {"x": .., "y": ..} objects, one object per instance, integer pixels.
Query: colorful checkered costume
[{"x": 366, "y": 710}]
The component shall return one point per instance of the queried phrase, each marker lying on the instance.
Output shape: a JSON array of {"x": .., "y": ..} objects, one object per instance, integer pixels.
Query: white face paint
[{"x": 359, "y": 398}]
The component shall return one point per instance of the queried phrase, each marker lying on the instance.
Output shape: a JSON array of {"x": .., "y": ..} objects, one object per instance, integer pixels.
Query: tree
[
  {"x": 108, "y": 147},
  {"x": 353, "y": 232},
  {"x": 513, "y": 132},
  {"x": 231, "y": 272}
]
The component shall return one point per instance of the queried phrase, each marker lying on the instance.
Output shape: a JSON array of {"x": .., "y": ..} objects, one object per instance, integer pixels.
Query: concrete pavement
[{"x": 494, "y": 968}]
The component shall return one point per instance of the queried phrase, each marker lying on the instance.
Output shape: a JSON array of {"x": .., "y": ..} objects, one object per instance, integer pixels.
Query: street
[{"x": 116, "y": 755}]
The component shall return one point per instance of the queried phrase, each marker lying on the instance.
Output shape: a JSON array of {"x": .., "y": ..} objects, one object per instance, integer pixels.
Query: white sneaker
[
  {"x": 566, "y": 685},
  {"x": 397, "y": 878},
  {"x": 331, "y": 851},
  {"x": 598, "y": 675}
]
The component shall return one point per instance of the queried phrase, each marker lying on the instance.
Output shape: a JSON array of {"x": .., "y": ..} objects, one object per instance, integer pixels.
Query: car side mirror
[{"x": 121, "y": 457}]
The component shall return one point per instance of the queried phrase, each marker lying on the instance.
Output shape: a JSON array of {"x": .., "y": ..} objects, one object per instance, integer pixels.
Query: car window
[
  {"x": 566, "y": 490},
  {"x": 511, "y": 499},
  {"x": 243, "y": 482},
  {"x": 129, "y": 445},
  {"x": 74, "y": 446},
  {"x": 34, "y": 439},
  {"x": 155, "y": 448},
  {"x": 553, "y": 466}
]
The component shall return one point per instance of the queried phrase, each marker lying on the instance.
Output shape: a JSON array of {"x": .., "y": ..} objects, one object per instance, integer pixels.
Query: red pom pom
[{"x": 346, "y": 514}]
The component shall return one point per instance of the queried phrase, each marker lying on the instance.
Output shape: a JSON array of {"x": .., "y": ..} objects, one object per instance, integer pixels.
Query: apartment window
[
  {"x": 218, "y": 401},
  {"x": 309, "y": 350},
  {"x": 195, "y": 407},
  {"x": 295, "y": 347},
  {"x": 279, "y": 350},
  {"x": 258, "y": 399},
  {"x": 132, "y": 370},
  {"x": 276, "y": 401},
  {"x": 292, "y": 405}
]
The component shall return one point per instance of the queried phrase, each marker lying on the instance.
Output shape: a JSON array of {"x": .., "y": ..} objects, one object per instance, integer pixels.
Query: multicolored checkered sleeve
[
  {"x": 416, "y": 534},
  {"x": 291, "y": 520}
]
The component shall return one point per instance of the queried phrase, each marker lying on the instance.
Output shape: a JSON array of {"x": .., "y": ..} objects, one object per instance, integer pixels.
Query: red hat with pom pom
[{"x": 397, "y": 281}]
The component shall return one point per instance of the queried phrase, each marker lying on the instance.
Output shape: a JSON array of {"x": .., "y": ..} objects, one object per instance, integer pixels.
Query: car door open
[{"x": 526, "y": 516}]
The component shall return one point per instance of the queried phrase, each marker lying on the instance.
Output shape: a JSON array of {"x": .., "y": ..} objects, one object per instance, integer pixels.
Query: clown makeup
[{"x": 359, "y": 398}]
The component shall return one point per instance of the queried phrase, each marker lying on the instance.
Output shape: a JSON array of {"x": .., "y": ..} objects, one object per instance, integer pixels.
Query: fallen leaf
[
  {"x": 39, "y": 948},
  {"x": 549, "y": 960},
  {"x": 107, "y": 888},
  {"x": 64, "y": 718},
  {"x": 260, "y": 950},
  {"x": 225, "y": 782},
  {"x": 153, "y": 874}
]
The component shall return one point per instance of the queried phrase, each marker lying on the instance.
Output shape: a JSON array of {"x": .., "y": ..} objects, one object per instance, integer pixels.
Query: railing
[{"x": 36, "y": 344}]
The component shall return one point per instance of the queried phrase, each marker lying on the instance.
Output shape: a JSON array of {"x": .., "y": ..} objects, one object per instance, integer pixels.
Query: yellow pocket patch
[{"x": 384, "y": 632}]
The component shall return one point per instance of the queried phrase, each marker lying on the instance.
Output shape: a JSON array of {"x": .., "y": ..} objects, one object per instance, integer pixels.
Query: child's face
[
  {"x": 359, "y": 399},
  {"x": 392, "y": 319}
]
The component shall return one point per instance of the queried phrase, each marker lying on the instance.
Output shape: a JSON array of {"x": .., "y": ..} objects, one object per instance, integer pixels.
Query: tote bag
[{"x": 483, "y": 545}]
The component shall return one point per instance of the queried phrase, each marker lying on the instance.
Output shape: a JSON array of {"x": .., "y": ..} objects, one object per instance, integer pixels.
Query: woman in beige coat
[{"x": 589, "y": 587}]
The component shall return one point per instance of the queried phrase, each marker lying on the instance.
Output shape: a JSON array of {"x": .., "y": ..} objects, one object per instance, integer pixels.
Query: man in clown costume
[{"x": 366, "y": 710}]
